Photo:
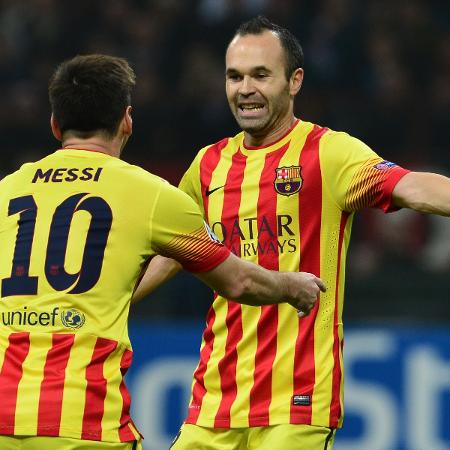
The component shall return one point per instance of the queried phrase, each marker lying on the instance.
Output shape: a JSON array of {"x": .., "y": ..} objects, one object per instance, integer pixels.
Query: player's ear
[
  {"x": 295, "y": 83},
  {"x": 127, "y": 122},
  {"x": 56, "y": 130}
]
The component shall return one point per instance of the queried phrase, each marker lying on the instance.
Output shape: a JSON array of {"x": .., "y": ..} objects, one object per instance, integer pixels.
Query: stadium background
[{"x": 379, "y": 69}]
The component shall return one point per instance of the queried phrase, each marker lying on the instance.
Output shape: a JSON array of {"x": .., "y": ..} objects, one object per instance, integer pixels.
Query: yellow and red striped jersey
[
  {"x": 76, "y": 230},
  {"x": 287, "y": 206}
]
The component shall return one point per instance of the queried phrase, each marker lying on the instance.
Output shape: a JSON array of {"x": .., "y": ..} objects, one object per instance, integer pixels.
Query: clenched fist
[{"x": 303, "y": 290}]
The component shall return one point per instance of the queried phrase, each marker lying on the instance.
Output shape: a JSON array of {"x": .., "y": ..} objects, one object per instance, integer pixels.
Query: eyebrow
[
  {"x": 261, "y": 68},
  {"x": 231, "y": 70}
]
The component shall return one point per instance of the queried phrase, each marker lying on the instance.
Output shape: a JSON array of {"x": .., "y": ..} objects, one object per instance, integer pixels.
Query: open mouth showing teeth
[{"x": 251, "y": 107}]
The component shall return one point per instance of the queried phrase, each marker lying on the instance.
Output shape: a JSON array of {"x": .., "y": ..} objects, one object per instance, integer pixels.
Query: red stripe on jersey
[
  {"x": 52, "y": 386},
  {"x": 335, "y": 407},
  {"x": 227, "y": 365},
  {"x": 199, "y": 391},
  {"x": 208, "y": 164},
  {"x": 261, "y": 393},
  {"x": 125, "y": 432},
  {"x": 10, "y": 376},
  {"x": 96, "y": 390},
  {"x": 310, "y": 219}
]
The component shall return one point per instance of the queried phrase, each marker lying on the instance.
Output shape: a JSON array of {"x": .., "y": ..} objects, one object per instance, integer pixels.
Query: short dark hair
[
  {"x": 90, "y": 93},
  {"x": 291, "y": 46}
]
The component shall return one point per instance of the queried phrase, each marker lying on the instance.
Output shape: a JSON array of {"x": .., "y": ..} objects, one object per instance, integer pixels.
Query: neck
[
  {"x": 95, "y": 144},
  {"x": 269, "y": 137}
]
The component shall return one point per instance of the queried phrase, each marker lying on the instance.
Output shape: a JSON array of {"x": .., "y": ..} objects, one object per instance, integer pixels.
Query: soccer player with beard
[{"x": 282, "y": 193}]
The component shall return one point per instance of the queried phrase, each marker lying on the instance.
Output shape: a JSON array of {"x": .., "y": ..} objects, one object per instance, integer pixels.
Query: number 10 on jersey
[{"x": 21, "y": 282}]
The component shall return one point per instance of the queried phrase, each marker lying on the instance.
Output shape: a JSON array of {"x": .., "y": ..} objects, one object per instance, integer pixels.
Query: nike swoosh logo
[{"x": 209, "y": 192}]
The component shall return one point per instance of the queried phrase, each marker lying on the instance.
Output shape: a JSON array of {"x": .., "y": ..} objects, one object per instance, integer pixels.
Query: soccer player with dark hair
[
  {"x": 282, "y": 193},
  {"x": 77, "y": 229}
]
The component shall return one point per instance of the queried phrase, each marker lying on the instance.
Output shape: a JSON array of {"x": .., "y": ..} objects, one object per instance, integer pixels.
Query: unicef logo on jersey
[{"x": 72, "y": 318}]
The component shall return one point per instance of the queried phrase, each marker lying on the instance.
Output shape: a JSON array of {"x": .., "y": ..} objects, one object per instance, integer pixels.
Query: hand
[{"x": 304, "y": 289}]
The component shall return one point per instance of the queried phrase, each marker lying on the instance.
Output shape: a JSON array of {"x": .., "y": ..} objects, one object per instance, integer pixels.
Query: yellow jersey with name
[{"x": 77, "y": 228}]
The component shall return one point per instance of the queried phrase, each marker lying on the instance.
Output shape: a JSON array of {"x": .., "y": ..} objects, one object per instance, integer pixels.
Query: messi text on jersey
[{"x": 65, "y": 174}]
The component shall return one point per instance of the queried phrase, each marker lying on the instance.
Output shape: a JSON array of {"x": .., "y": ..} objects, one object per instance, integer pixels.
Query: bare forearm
[
  {"x": 159, "y": 270},
  {"x": 300, "y": 290},
  {"x": 258, "y": 287},
  {"x": 262, "y": 287},
  {"x": 253, "y": 285},
  {"x": 424, "y": 192}
]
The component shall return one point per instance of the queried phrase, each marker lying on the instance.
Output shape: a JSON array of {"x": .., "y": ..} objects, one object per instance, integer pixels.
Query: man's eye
[
  {"x": 234, "y": 77},
  {"x": 261, "y": 75}
]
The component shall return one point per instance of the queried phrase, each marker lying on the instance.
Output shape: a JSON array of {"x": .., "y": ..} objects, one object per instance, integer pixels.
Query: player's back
[{"x": 75, "y": 232}]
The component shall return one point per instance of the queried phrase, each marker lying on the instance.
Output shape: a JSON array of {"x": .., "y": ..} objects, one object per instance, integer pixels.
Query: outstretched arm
[
  {"x": 424, "y": 192},
  {"x": 241, "y": 281},
  {"x": 248, "y": 283}
]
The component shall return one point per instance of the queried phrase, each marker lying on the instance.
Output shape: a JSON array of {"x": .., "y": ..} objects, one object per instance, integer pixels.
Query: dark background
[{"x": 379, "y": 69}]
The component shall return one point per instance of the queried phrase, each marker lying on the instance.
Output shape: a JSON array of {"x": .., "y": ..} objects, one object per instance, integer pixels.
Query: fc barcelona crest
[{"x": 288, "y": 180}]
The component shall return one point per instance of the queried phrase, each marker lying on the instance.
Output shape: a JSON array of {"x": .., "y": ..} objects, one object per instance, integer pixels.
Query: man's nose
[{"x": 246, "y": 86}]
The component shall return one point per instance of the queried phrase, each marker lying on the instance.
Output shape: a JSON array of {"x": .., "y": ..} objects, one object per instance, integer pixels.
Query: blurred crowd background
[{"x": 379, "y": 69}]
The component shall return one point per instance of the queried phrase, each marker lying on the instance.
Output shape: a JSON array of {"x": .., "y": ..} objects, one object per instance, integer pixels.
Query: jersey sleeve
[
  {"x": 355, "y": 175},
  {"x": 179, "y": 232}
]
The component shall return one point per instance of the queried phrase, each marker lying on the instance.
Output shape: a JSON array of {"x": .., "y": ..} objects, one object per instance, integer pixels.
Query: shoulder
[
  {"x": 222, "y": 145},
  {"x": 341, "y": 139},
  {"x": 339, "y": 146},
  {"x": 16, "y": 175},
  {"x": 210, "y": 155},
  {"x": 135, "y": 173}
]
